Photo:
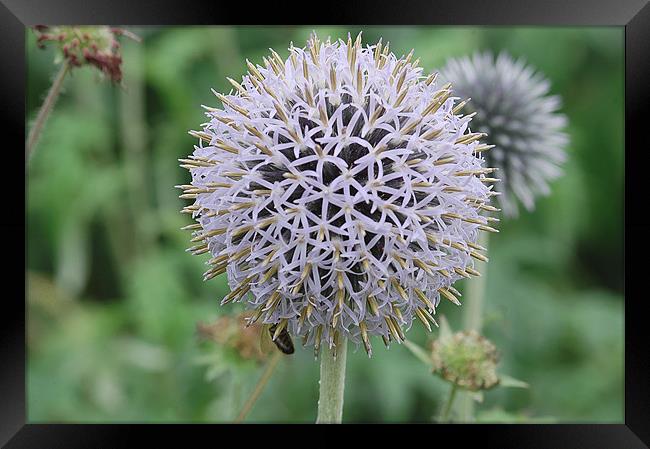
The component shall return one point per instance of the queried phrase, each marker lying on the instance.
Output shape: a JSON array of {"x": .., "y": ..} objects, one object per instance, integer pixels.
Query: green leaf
[
  {"x": 511, "y": 382},
  {"x": 418, "y": 352},
  {"x": 445, "y": 328}
]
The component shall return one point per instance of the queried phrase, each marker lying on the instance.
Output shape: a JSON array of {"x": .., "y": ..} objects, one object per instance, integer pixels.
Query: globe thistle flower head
[
  {"x": 515, "y": 109},
  {"x": 466, "y": 359},
  {"x": 340, "y": 191}
]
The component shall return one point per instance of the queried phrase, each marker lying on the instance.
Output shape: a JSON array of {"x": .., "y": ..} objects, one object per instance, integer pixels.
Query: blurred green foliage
[{"x": 113, "y": 299}]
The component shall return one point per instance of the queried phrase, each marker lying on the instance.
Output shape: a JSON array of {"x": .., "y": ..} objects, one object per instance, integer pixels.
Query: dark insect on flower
[
  {"x": 281, "y": 338},
  {"x": 341, "y": 192}
]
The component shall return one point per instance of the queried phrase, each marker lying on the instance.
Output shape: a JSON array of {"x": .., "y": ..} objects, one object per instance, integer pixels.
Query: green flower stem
[
  {"x": 473, "y": 320},
  {"x": 268, "y": 372},
  {"x": 475, "y": 293},
  {"x": 465, "y": 408},
  {"x": 235, "y": 394},
  {"x": 332, "y": 384},
  {"x": 133, "y": 139},
  {"x": 444, "y": 417},
  {"x": 45, "y": 110}
]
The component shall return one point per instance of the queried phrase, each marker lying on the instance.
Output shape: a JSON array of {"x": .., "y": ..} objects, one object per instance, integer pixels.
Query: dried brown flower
[
  {"x": 86, "y": 45},
  {"x": 233, "y": 332}
]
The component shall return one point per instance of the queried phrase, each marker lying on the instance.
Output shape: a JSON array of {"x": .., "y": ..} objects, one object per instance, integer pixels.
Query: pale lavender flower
[
  {"x": 340, "y": 191},
  {"x": 515, "y": 109}
]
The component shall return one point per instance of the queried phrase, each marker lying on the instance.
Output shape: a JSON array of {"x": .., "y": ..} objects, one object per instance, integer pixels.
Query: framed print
[{"x": 379, "y": 214}]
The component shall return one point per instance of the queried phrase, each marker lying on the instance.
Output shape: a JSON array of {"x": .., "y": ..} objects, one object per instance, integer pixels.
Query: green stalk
[
  {"x": 473, "y": 320},
  {"x": 475, "y": 293},
  {"x": 133, "y": 139},
  {"x": 444, "y": 416},
  {"x": 259, "y": 387},
  {"x": 235, "y": 394},
  {"x": 332, "y": 384},
  {"x": 45, "y": 110}
]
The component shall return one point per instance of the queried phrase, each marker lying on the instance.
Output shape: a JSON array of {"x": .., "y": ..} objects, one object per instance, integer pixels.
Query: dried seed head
[
  {"x": 513, "y": 107},
  {"x": 86, "y": 45},
  {"x": 334, "y": 190},
  {"x": 466, "y": 359},
  {"x": 233, "y": 332}
]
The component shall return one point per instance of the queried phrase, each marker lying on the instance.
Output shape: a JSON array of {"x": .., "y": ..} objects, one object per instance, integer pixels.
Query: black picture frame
[{"x": 633, "y": 15}]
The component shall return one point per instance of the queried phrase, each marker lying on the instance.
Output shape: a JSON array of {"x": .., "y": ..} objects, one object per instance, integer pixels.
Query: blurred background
[{"x": 114, "y": 301}]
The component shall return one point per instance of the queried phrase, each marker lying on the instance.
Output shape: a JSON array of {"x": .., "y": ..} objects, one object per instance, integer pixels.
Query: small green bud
[{"x": 466, "y": 359}]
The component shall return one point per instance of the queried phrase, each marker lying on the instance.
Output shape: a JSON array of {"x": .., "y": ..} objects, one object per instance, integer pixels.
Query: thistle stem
[
  {"x": 235, "y": 393},
  {"x": 133, "y": 134},
  {"x": 45, "y": 110},
  {"x": 266, "y": 375},
  {"x": 475, "y": 293},
  {"x": 444, "y": 417},
  {"x": 332, "y": 384},
  {"x": 473, "y": 320}
]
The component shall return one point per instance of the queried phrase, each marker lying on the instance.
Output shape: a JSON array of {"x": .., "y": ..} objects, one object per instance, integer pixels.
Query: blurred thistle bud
[
  {"x": 234, "y": 333},
  {"x": 86, "y": 45},
  {"x": 466, "y": 359},
  {"x": 341, "y": 192},
  {"x": 513, "y": 107}
]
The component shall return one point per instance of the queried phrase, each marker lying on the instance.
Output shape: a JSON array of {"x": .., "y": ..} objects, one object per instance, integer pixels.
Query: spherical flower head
[
  {"x": 340, "y": 191},
  {"x": 515, "y": 109},
  {"x": 86, "y": 45},
  {"x": 466, "y": 359}
]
